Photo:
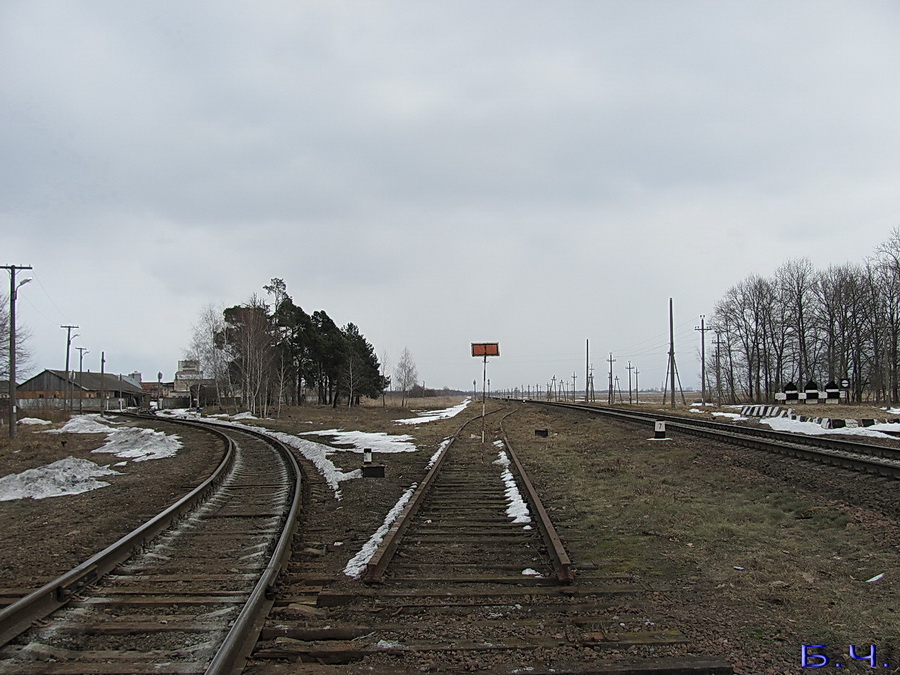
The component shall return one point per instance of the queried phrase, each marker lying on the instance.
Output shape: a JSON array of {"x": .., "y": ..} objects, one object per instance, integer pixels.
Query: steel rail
[
  {"x": 244, "y": 633},
  {"x": 380, "y": 560},
  {"x": 875, "y": 459},
  {"x": 19, "y": 616},
  {"x": 561, "y": 562}
]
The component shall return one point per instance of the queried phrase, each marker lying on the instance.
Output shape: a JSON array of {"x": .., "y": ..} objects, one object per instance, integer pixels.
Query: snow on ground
[
  {"x": 134, "y": 443},
  {"x": 737, "y": 417},
  {"x": 69, "y": 476},
  {"x": 434, "y": 415},
  {"x": 317, "y": 453},
  {"x": 437, "y": 453},
  {"x": 359, "y": 440},
  {"x": 517, "y": 509},
  {"x": 33, "y": 420},
  {"x": 82, "y": 424},
  {"x": 140, "y": 445},
  {"x": 813, "y": 429},
  {"x": 357, "y": 563}
]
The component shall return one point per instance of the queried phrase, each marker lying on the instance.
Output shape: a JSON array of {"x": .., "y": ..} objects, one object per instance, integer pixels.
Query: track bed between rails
[
  {"x": 168, "y": 609},
  {"x": 468, "y": 589}
]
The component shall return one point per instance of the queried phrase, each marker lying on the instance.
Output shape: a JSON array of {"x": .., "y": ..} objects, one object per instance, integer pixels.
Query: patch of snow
[
  {"x": 528, "y": 572},
  {"x": 813, "y": 429},
  {"x": 516, "y": 509},
  {"x": 357, "y": 563},
  {"x": 434, "y": 415},
  {"x": 140, "y": 445},
  {"x": 387, "y": 644},
  {"x": 377, "y": 441},
  {"x": 124, "y": 442},
  {"x": 33, "y": 420},
  {"x": 244, "y": 416},
  {"x": 317, "y": 453},
  {"x": 437, "y": 453},
  {"x": 737, "y": 417},
  {"x": 82, "y": 424},
  {"x": 69, "y": 476}
]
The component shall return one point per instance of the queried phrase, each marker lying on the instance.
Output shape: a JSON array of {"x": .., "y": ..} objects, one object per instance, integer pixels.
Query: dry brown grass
[{"x": 687, "y": 513}]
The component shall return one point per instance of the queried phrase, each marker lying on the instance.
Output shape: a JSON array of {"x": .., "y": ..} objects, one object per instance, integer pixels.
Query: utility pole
[
  {"x": 81, "y": 352},
  {"x": 629, "y": 368},
  {"x": 68, "y": 352},
  {"x": 553, "y": 388},
  {"x": 702, "y": 328},
  {"x": 102, "y": 382},
  {"x": 587, "y": 369},
  {"x": 591, "y": 376},
  {"x": 611, "y": 398},
  {"x": 672, "y": 349},
  {"x": 637, "y": 388},
  {"x": 573, "y": 386},
  {"x": 13, "y": 288}
]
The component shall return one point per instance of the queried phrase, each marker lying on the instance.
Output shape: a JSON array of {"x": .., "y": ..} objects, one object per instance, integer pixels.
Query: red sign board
[{"x": 485, "y": 349}]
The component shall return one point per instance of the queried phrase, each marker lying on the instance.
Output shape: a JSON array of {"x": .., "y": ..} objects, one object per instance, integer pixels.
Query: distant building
[
  {"x": 188, "y": 375},
  {"x": 191, "y": 387},
  {"x": 86, "y": 391}
]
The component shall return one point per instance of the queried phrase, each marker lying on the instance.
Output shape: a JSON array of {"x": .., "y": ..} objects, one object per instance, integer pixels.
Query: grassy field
[{"x": 760, "y": 555}]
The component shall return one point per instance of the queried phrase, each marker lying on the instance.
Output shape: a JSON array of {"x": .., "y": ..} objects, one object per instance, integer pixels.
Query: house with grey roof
[{"x": 52, "y": 389}]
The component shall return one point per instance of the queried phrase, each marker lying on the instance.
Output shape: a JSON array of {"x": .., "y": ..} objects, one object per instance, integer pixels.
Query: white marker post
[
  {"x": 660, "y": 430},
  {"x": 484, "y": 349}
]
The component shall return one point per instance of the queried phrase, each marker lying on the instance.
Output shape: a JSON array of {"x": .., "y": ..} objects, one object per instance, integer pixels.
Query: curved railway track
[
  {"x": 187, "y": 592},
  {"x": 458, "y": 584},
  {"x": 866, "y": 457}
]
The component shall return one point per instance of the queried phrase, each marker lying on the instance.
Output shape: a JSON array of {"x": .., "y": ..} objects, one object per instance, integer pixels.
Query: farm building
[{"x": 82, "y": 391}]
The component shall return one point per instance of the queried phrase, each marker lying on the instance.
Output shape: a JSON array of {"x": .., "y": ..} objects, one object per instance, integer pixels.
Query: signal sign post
[{"x": 484, "y": 349}]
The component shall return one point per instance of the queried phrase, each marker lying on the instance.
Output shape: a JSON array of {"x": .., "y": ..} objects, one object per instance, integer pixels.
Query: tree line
[
  {"x": 805, "y": 325},
  {"x": 265, "y": 355}
]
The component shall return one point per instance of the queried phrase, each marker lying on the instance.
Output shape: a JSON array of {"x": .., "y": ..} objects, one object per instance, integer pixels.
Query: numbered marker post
[{"x": 660, "y": 430}]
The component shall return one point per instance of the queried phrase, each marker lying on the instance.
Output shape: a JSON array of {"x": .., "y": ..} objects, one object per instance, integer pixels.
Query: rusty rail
[
  {"x": 239, "y": 643},
  {"x": 562, "y": 564},
  {"x": 18, "y": 617},
  {"x": 379, "y": 562},
  {"x": 864, "y": 457}
]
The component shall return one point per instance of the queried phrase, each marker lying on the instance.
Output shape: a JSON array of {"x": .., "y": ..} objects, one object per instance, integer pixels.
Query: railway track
[
  {"x": 185, "y": 593},
  {"x": 469, "y": 579},
  {"x": 879, "y": 460}
]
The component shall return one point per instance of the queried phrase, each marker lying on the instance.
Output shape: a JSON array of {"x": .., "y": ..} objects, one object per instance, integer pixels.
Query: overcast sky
[{"x": 438, "y": 173}]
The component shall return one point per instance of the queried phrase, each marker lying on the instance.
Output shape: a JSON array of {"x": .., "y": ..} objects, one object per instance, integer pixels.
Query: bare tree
[
  {"x": 889, "y": 260},
  {"x": 23, "y": 355},
  {"x": 208, "y": 348},
  {"x": 406, "y": 373}
]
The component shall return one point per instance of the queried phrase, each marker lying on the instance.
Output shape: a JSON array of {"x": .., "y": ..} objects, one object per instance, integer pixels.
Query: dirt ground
[
  {"x": 757, "y": 555},
  {"x": 42, "y": 538}
]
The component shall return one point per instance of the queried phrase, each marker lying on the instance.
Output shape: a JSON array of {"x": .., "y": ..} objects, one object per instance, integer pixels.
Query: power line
[{"x": 49, "y": 297}]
